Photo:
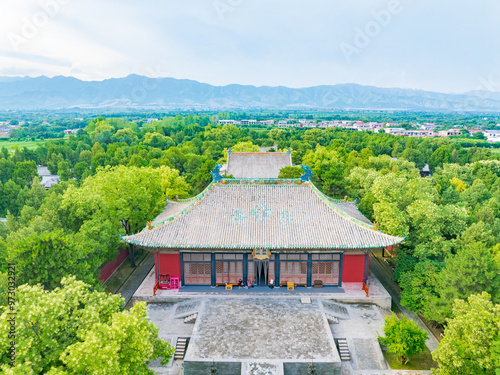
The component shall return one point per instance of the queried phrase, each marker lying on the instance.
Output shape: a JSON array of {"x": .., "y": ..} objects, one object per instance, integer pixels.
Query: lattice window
[
  {"x": 327, "y": 272},
  {"x": 325, "y": 256},
  {"x": 293, "y": 272},
  {"x": 197, "y": 273},
  {"x": 251, "y": 272},
  {"x": 229, "y": 256},
  {"x": 293, "y": 257},
  {"x": 228, "y": 272},
  {"x": 193, "y": 257}
]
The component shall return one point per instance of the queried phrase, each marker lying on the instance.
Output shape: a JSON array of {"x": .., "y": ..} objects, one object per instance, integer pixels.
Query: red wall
[
  {"x": 111, "y": 267},
  {"x": 169, "y": 264},
  {"x": 353, "y": 268}
]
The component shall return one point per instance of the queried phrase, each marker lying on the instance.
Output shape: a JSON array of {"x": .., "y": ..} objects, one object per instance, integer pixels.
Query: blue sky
[{"x": 445, "y": 46}]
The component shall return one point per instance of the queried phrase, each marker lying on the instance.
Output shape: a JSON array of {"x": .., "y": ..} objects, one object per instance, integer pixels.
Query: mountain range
[{"x": 139, "y": 92}]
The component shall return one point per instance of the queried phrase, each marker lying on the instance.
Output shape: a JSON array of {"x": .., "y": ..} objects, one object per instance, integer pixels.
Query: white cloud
[{"x": 442, "y": 46}]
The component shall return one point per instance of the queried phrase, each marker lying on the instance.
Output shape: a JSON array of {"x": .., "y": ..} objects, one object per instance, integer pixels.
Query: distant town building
[
  {"x": 283, "y": 123},
  {"x": 428, "y": 126},
  {"x": 267, "y": 122},
  {"x": 225, "y": 122},
  {"x": 448, "y": 133},
  {"x": 151, "y": 120},
  {"x": 419, "y": 133},
  {"x": 474, "y": 131},
  {"x": 492, "y": 135},
  {"x": 395, "y": 131},
  {"x": 71, "y": 131},
  {"x": 248, "y": 122}
]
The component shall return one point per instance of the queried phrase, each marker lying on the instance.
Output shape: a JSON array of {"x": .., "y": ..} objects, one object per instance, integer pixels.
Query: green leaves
[
  {"x": 73, "y": 330},
  {"x": 468, "y": 344},
  {"x": 403, "y": 337},
  {"x": 47, "y": 257}
]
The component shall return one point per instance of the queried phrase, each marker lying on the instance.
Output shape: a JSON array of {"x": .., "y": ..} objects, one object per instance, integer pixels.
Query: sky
[{"x": 438, "y": 45}]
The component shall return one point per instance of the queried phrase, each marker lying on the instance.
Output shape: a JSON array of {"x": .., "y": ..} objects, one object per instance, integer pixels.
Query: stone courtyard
[
  {"x": 271, "y": 335},
  {"x": 264, "y": 328}
]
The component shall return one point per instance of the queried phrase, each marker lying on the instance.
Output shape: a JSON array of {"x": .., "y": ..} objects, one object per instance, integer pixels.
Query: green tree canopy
[
  {"x": 403, "y": 337},
  {"x": 75, "y": 330},
  {"x": 467, "y": 345},
  {"x": 290, "y": 172}
]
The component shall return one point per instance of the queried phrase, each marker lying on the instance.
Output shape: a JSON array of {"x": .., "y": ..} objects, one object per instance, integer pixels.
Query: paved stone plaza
[
  {"x": 281, "y": 329},
  {"x": 270, "y": 335}
]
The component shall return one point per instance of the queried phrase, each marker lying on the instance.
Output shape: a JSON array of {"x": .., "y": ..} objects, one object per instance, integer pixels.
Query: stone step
[
  {"x": 180, "y": 348},
  {"x": 190, "y": 318}
]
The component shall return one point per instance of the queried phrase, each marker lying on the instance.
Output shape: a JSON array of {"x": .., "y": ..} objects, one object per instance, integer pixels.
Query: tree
[
  {"x": 81, "y": 170},
  {"x": 291, "y": 172},
  {"x": 472, "y": 270},
  {"x": 468, "y": 340},
  {"x": 63, "y": 170},
  {"x": 127, "y": 195},
  {"x": 25, "y": 171},
  {"x": 403, "y": 337},
  {"x": 480, "y": 135},
  {"x": 45, "y": 258},
  {"x": 75, "y": 330},
  {"x": 245, "y": 147},
  {"x": 419, "y": 285},
  {"x": 328, "y": 170},
  {"x": 439, "y": 157}
]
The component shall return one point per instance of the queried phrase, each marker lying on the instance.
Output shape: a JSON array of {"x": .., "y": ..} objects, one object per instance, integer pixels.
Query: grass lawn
[
  {"x": 495, "y": 150},
  {"x": 30, "y": 145},
  {"x": 421, "y": 361}
]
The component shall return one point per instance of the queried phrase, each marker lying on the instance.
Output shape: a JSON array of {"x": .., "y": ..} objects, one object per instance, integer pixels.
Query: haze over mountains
[{"x": 138, "y": 92}]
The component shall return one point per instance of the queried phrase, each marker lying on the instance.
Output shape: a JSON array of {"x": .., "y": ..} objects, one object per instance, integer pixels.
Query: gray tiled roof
[
  {"x": 351, "y": 209},
  {"x": 257, "y": 164},
  {"x": 247, "y": 215},
  {"x": 171, "y": 209}
]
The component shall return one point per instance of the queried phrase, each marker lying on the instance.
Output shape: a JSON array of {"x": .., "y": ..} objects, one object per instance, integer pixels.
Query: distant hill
[{"x": 138, "y": 92}]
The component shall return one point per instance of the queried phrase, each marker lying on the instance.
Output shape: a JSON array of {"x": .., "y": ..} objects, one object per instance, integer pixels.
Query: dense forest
[{"x": 116, "y": 174}]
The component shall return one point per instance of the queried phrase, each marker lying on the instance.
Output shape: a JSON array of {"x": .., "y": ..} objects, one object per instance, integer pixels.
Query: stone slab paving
[
  {"x": 261, "y": 328},
  {"x": 163, "y": 315}
]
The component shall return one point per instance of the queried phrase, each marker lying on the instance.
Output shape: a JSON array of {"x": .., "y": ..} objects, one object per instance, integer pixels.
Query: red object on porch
[
  {"x": 164, "y": 282},
  {"x": 353, "y": 268},
  {"x": 155, "y": 288},
  {"x": 174, "y": 283},
  {"x": 365, "y": 288}
]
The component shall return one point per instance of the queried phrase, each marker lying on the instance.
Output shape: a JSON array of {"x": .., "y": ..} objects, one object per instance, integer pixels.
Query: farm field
[{"x": 28, "y": 144}]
